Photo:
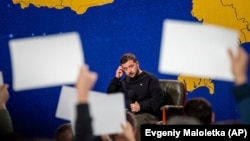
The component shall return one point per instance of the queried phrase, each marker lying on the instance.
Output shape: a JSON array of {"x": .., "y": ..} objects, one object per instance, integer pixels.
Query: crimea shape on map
[{"x": 79, "y": 6}]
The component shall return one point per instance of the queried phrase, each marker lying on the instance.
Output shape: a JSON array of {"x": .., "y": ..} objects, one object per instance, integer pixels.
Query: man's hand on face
[{"x": 119, "y": 72}]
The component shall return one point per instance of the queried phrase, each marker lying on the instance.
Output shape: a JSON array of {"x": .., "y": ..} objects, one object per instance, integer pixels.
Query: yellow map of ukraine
[
  {"x": 229, "y": 13},
  {"x": 233, "y": 14},
  {"x": 193, "y": 83},
  {"x": 79, "y": 6}
]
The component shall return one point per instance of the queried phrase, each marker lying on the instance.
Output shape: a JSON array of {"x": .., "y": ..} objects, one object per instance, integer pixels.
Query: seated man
[{"x": 141, "y": 89}]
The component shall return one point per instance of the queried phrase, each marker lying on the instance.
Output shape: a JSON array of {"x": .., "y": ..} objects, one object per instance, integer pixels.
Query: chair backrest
[{"x": 174, "y": 92}]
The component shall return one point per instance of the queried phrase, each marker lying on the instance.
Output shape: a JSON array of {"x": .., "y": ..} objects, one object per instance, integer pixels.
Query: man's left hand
[{"x": 135, "y": 107}]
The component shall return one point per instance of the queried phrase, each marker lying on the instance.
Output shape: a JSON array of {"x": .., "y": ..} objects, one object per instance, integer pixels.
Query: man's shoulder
[{"x": 150, "y": 74}]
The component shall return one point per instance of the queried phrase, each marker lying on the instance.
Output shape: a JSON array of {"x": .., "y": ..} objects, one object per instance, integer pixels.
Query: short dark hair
[
  {"x": 126, "y": 57},
  {"x": 60, "y": 132},
  {"x": 199, "y": 108}
]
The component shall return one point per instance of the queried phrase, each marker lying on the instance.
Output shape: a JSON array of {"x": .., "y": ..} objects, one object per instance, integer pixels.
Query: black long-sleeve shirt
[
  {"x": 6, "y": 127},
  {"x": 242, "y": 97},
  {"x": 144, "y": 88},
  {"x": 83, "y": 128}
]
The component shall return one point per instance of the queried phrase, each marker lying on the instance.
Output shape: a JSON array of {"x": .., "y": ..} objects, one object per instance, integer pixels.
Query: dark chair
[{"x": 175, "y": 95}]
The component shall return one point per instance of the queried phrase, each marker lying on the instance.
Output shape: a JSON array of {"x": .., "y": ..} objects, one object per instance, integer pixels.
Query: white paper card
[
  {"x": 45, "y": 61},
  {"x": 67, "y": 103},
  {"x": 197, "y": 49},
  {"x": 108, "y": 113},
  {"x": 102, "y": 110},
  {"x": 1, "y": 78}
]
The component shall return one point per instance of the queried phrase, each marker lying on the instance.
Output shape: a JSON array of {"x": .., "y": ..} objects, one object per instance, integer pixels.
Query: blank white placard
[
  {"x": 108, "y": 113},
  {"x": 197, "y": 49},
  {"x": 45, "y": 61},
  {"x": 1, "y": 78},
  {"x": 102, "y": 108},
  {"x": 66, "y": 105}
]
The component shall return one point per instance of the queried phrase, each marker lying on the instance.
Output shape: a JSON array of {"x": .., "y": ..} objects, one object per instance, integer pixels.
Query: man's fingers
[
  {"x": 243, "y": 53},
  {"x": 4, "y": 87},
  {"x": 123, "y": 125},
  {"x": 230, "y": 52}
]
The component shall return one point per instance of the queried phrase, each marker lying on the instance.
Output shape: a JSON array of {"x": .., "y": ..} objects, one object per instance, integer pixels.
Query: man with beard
[{"x": 142, "y": 91}]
